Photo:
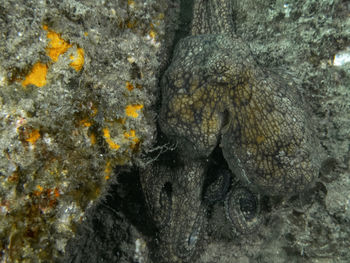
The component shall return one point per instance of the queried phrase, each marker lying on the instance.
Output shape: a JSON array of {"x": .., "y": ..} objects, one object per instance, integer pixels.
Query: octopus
[{"x": 214, "y": 94}]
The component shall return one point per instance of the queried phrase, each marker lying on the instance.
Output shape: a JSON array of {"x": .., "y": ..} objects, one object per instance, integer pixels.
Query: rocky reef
[
  {"x": 78, "y": 81},
  {"x": 78, "y": 92}
]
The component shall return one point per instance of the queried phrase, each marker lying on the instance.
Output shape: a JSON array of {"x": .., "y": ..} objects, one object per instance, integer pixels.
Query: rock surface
[
  {"x": 60, "y": 134},
  {"x": 78, "y": 82}
]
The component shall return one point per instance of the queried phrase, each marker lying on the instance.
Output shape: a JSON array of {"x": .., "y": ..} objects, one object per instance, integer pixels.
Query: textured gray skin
[
  {"x": 174, "y": 202},
  {"x": 213, "y": 90}
]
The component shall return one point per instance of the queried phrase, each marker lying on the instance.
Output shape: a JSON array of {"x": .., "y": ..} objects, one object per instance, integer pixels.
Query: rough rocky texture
[
  {"x": 78, "y": 80},
  {"x": 116, "y": 228},
  {"x": 299, "y": 38}
]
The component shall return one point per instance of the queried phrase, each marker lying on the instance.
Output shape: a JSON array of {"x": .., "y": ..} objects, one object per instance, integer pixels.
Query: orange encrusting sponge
[{"x": 37, "y": 76}]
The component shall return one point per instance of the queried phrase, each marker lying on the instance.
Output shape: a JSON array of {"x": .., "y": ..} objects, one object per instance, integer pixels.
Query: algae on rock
[{"x": 77, "y": 85}]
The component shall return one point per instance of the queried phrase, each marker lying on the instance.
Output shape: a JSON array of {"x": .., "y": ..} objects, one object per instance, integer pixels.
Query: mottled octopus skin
[
  {"x": 174, "y": 202},
  {"x": 214, "y": 93},
  {"x": 213, "y": 90}
]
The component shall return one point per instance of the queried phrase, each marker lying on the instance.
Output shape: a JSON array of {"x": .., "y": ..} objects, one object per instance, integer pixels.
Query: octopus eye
[
  {"x": 248, "y": 207},
  {"x": 243, "y": 210}
]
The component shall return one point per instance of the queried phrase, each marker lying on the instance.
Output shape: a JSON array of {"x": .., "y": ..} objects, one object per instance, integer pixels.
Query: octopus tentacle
[
  {"x": 174, "y": 199},
  {"x": 212, "y": 17},
  {"x": 157, "y": 188},
  {"x": 213, "y": 91}
]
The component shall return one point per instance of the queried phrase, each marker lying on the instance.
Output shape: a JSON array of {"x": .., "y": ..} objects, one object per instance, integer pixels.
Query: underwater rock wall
[
  {"x": 78, "y": 84},
  {"x": 78, "y": 81},
  {"x": 301, "y": 40}
]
